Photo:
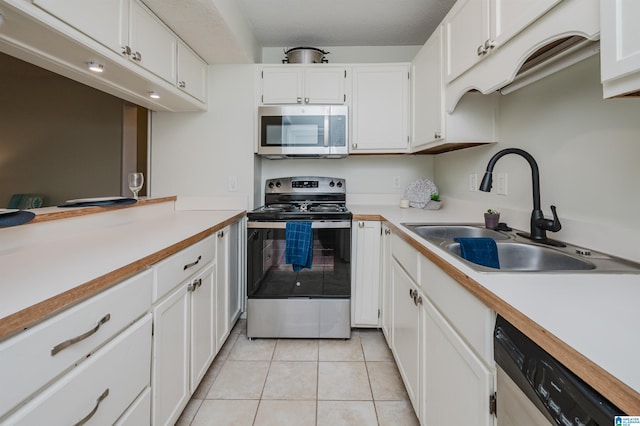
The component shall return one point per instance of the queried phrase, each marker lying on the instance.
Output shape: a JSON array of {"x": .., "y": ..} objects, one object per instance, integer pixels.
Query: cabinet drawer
[
  {"x": 180, "y": 266},
  {"x": 406, "y": 256},
  {"x": 34, "y": 357},
  {"x": 468, "y": 315},
  {"x": 101, "y": 388}
]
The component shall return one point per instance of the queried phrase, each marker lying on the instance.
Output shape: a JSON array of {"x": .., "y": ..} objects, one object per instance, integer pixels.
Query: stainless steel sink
[
  {"x": 449, "y": 232},
  {"x": 528, "y": 257},
  {"x": 516, "y": 253}
]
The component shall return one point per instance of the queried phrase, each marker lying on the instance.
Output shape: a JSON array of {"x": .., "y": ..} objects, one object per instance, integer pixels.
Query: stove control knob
[
  {"x": 270, "y": 184},
  {"x": 278, "y": 184},
  {"x": 332, "y": 184},
  {"x": 339, "y": 184}
]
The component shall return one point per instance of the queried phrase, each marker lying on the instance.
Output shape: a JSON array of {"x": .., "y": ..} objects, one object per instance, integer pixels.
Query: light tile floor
[{"x": 315, "y": 382}]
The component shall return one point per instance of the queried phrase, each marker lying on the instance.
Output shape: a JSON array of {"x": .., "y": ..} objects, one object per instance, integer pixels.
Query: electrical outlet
[
  {"x": 473, "y": 182},
  {"x": 233, "y": 183},
  {"x": 501, "y": 183},
  {"x": 396, "y": 181}
]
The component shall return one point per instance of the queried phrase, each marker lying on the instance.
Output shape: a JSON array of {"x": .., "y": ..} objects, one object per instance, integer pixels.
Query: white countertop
[
  {"x": 596, "y": 314},
  {"x": 43, "y": 260}
]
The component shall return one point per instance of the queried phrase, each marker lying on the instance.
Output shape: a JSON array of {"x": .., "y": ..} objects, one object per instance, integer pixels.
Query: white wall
[
  {"x": 350, "y": 54},
  {"x": 587, "y": 150},
  {"x": 195, "y": 154},
  {"x": 365, "y": 175}
]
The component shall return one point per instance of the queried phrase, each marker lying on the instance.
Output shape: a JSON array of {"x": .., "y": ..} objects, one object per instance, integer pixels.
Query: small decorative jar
[{"x": 491, "y": 219}]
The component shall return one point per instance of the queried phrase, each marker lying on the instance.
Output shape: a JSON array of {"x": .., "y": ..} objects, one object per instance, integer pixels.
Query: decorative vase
[
  {"x": 491, "y": 220},
  {"x": 433, "y": 205}
]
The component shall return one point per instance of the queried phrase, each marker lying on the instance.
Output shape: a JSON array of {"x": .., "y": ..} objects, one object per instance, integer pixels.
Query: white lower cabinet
[
  {"x": 457, "y": 384},
  {"x": 184, "y": 344},
  {"x": 365, "y": 279},
  {"x": 440, "y": 336},
  {"x": 386, "y": 295},
  {"x": 100, "y": 389},
  {"x": 222, "y": 299},
  {"x": 407, "y": 332}
]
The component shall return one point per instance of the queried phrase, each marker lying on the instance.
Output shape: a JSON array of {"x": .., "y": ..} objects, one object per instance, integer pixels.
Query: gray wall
[{"x": 58, "y": 138}]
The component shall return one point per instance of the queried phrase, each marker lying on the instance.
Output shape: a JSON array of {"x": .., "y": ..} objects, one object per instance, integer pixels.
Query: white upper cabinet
[
  {"x": 380, "y": 108},
  {"x": 427, "y": 90},
  {"x": 151, "y": 43},
  {"x": 105, "y": 21},
  {"x": 291, "y": 84},
  {"x": 476, "y": 27},
  {"x": 192, "y": 72},
  {"x": 434, "y": 130},
  {"x": 620, "y": 47},
  {"x": 519, "y": 33}
]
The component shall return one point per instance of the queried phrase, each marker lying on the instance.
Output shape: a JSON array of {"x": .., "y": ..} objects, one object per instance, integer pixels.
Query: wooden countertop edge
[
  {"x": 617, "y": 392},
  {"x": 374, "y": 217},
  {"x": 28, "y": 317},
  {"x": 68, "y": 212}
]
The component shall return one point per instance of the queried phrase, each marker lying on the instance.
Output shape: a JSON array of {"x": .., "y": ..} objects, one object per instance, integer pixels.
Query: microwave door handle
[{"x": 326, "y": 130}]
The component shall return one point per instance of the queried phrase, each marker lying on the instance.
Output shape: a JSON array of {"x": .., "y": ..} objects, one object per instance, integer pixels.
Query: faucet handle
[{"x": 552, "y": 225}]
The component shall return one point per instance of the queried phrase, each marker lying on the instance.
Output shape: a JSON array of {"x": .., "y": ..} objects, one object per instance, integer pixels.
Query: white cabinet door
[
  {"x": 293, "y": 84},
  {"x": 282, "y": 85},
  {"x": 406, "y": 332},
  {"x": 192, "y": 73},
  {"x": 620, "y": 46},
  {"x": 457, "y": 384},
  {"x": 203, "y": 324},
  {"x": 222, "y": 286},
  {"x": 105, "y": 21},
  {"x": 153, "y": 45},
  {"x": 473, "y": 28},
  {"x": 380, "y": 112},
  {"x": 365, "y": 280},
  {"x": 170, "y": 368},
  {"x": 324, "y": 85},
  {"x": 466, "y": 28},
  {"x": 427, "y": 111},
  {"x": 509, "y": 17},
  {"x": 386, "y": 304}
]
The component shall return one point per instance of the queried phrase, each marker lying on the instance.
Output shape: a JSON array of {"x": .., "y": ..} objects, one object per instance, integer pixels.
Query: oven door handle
[{"x": 314, "y": 224}]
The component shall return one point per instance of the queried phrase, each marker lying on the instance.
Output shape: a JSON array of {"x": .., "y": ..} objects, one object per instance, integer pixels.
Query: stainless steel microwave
[{"x": 315, "y": 131}]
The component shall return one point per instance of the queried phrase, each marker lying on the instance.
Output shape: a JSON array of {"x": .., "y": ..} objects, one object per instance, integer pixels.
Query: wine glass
[{"x": 136, "y": 180}]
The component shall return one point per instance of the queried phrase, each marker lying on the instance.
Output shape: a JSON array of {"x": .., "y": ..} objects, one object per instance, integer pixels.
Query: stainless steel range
[{"x": 286, "y": 299}]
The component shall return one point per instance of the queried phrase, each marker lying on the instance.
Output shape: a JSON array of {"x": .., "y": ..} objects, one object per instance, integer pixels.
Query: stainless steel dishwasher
[{"x": 534, "y": 389}]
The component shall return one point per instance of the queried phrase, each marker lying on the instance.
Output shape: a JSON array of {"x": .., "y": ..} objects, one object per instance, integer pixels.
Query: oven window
[{"x": 268, "y": 276}]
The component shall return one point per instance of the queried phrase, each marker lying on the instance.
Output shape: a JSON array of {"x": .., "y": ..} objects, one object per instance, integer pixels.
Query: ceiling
[
  {"x": 291, "y": 23},
  {"x": 217, "y": 29}
]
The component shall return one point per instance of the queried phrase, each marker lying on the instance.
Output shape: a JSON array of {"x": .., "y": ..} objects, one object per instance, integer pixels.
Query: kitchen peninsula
[{"x": 82, "y": 283}]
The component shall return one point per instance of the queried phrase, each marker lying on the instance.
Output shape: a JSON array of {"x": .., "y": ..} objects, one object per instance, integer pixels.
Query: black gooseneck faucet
[{"x": 539, "y": 225}]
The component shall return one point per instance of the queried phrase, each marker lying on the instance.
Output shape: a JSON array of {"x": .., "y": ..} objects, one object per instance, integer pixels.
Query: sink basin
[
  {"x": 515, "y": 256},
  {"x": 449, "y": 232}
]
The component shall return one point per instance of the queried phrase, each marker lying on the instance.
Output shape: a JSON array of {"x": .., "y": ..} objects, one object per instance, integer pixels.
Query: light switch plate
[{"x": 501, "y": 183}]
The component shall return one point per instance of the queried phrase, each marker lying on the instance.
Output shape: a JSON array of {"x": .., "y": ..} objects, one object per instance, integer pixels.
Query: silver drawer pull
[
  {"x": 57, "y": 348},
  {"x": 98, "y": 401},
  {"x": 189, "y": 265}
]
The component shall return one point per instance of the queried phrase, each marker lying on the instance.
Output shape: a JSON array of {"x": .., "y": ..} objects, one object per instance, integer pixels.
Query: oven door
[{"x": 270, "y": 277}]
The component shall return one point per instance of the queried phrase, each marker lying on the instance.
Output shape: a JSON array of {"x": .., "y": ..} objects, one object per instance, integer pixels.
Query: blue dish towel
[
  {"x": 481, "y": 251},
  {"x": 299, "y": 245},
  {"x": 16, "y": 218}
]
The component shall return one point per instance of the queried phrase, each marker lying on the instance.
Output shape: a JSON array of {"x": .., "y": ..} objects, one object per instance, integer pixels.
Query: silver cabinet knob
[
  {"x": 299, "y": 100},
  {"x": 387, "y": 231},
  {"x": 306, "y": 100},
  {"x": 182, "y": 84},
  {"x": 361, "y": 224},
  {"x": 481, "y": 50},
  {"x": 437, "y": 135},
  {"x": 354, "y": 145},
  {"x": 489, "y": 44}
]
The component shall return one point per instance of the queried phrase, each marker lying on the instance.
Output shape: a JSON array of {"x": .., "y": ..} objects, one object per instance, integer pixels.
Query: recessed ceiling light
[
  {"x": 154, "y": 95},
  {"x": 95, "y": 67}
]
